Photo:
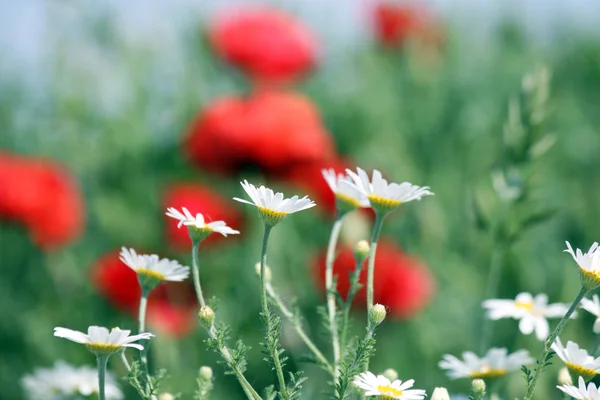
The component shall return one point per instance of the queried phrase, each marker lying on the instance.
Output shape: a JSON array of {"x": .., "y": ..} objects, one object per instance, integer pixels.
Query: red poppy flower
[
  {"x": 198, "y": 199},
  {"x": 270, "y": 129},
  {"x": 402, "y": 283},
  {"x": 171, "y": 306},
  {"x": 266, "y": 44},
  {"x": 396, "y": 23},
  {"x": 42, "y": 195}
]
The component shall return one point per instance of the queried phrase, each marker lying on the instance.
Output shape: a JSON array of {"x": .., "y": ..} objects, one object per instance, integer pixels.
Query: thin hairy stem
[
  {"x": 246, "y": 386},
  {"x": 298, "y": 327},
  {"x": 354, "y": 288},
  {"x": 331, "y": 307},
  {"x": 101, "y": 361},
  {"x": 542, "y": 361},
  {"x": 371, "y": 266},
  {"x": 491, "y": 291},
  {"x": 267, "y": 314}
]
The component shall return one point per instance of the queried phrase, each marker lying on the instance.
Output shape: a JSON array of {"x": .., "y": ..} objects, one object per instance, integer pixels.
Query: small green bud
[
  {"x": 564, "y": 377},
  {"x": 440, "y": 393},
  {"x": 361, "y": 251},
  {"x": 391, "y": 374},
  {"x": 478, "y": 386},
  {"x": 377, "y": 314},
  {"x": 267, "y": 271},
  {"x": 205, "y": 373},
  {"x": 206, "y": 316}
]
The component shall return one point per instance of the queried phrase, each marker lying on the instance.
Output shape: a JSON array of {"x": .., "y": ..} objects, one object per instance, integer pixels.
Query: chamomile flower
[
  {"x": 100, "y": 341},
  {"x": 532, "y": 312},
  {"x": 581, "y": 392},
  {"x": 577, "y": 360},
  {"x": 589, "y": 265},
  {"x": 273, "y": 207},
  {"x": 593, "y": 307},
  {"x": 383, "y": 196},
  {"x": 152, "y": 270},
  {"x": 198, "y": 228},
  {"x": 347, "y": 196},
  {"x": 64, "y": 381},
  {"x": 497, "y": 362},
  {"x": 384, "y": 388}
]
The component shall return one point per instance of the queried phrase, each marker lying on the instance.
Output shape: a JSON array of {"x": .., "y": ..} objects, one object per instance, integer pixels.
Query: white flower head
[
  {"x": 198, "y": 228},
  {"x": 497, "y": 362},
  {"x": 532, "y": 312},
  {"x": 383, "y": 196},
  {"x": 100, "y": 341},
  {"x": 65, "y": 381},
  {"x": 589, "y": 265},
  {"x": 593, "y": 306},
  {"x": 577, "y": 360},
  {"x": 381, "y": 386},
  {"x": 273, "y": 207},
  {"x": 347, "y": 196},
  {"x": 152, "y": 270},
  {"x": 581, "y": 392}
]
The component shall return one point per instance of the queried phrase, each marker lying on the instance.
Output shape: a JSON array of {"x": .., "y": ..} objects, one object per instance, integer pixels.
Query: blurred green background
[{"x": 432, "y": 117}]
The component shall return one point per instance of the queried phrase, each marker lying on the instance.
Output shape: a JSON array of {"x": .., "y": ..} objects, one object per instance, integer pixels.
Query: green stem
[
  {"x": 101, "y": 361},
  {"x": 225, "y": 352},
  {"x": 196, "y": 274},
  {"x": 491, "y": 291},
  {"x": 371, "y": 266},
  {"x": 267, "y": 313},
  {"x": 354, "y": 288},
  {"x": 331, "y": 309},
  {"x": 141, "y": 329},
  {"x": 541, "y": 363},
  {"x": 298, "y": 327}
]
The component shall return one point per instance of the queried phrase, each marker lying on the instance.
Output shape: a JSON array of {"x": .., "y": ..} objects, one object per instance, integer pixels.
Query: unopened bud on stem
[
  {"x": 478, "y": 387},
  {"x": 267, "y": 271},
  {"x": 391, "y": 374},
  {"x": 440, "y": 393},
  {"x": 361, "y": 251},
  {"x": 205, "y": 373},
  {"x": 206, "y": 316},
  {"x": 377, "y": 314}
]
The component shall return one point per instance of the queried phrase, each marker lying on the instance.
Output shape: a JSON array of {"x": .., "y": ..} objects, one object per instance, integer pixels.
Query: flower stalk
[
  {"x": 543, "y": 359},
  {"x": 331, "y": 306},
  {"x": 101, "y": 360},
  {"x": 371, "y": 265}
]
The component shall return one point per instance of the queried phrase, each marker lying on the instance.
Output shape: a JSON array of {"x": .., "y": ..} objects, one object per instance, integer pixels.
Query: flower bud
[
  {"x": 478, "y": 386},
  {"x": 391, "y": 374},
  {"x": 205, "y": 373},
  {"x": 564, "y": 377},
  {"x": 166, "y": 396},
  {"x": 206, "y": 316},
  {"x": 361, "y": 251},
  {"x": 440, "y": 393},
  {"x": 377, "y": 314},
  {"x": 267, "y": 271}
]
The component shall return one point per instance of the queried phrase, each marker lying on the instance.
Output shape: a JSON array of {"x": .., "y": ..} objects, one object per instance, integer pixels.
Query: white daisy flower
[
  {"x": 347, "y": 196},
  {"x": 199, "y": 228},
  {"x": 381, "y": 386},
  {"x": 581, "y": 392},
  {"x": 152, "y": 270},
  {"x": 100, "y": 341},
  {"x": 577, "y": 360},
  {"x": 589, "y": 265},
  {"x": 65, "y": 381},
  {"x": 384, "y": 196},
  {"x": 497, "y": 362},
  {"x": 593, "y": 307},
  {"x": 531, "y": 311},
  {"x": 272, "y": 206}
]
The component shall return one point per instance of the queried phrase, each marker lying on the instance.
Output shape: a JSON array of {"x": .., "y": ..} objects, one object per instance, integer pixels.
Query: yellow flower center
[
  {"x": 382, "y": 204},
  {"x": 578, "y": 370},
  {"x": 589, "y": 279},
  {"x": 102, "y": 348},
  {"x": 271, "y": 217},
  {"x": 388, "y": 390},
  {"x": 486, "y": 372},
  {"x": 347, "y": 201},
  {"x": 525, "y": 305},
  {"x": 151, "y": 274}
]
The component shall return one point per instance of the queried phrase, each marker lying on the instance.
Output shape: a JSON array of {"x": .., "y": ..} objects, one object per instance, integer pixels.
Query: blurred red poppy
[
  {"x": 402, "y": 283},
  {"x": 171, "y": 308},
  {"x": 398, "y": 22},
  {"x": 43, "y": 196},
  {"x": 198, "y": 199},
  {"x": 266, "y": 44},
  {"x": 271, "y": 130}
]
